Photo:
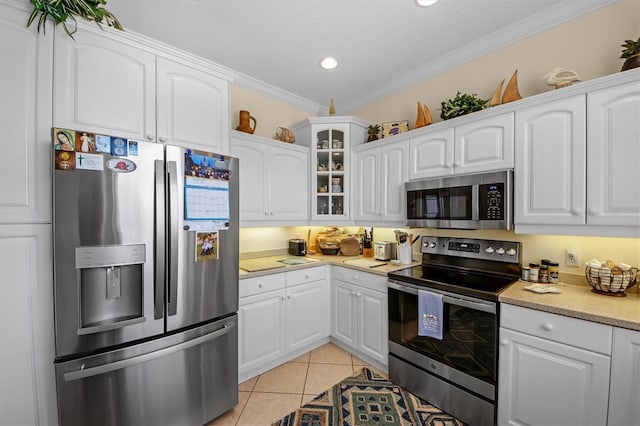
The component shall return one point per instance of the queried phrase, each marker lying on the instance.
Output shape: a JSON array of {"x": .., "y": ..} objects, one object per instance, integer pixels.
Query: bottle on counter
[
  {"x": 543, "y": 275},
  {"x": 554, "y": 269},
  {"x": 534, "y": 270},
  {"x": 525, "y": 273}
]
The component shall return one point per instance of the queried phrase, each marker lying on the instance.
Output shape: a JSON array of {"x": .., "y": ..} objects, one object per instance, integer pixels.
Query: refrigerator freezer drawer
[{"x": 187, "y": 378}]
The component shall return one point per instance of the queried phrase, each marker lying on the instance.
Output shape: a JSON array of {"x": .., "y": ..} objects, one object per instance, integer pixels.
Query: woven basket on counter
[{"x": 611, "y": 281}]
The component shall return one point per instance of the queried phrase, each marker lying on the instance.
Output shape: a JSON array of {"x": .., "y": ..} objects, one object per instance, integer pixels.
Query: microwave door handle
[
  {"x": 160, "y": 233},
  {"x": 172, "y": 212},
  {"x": 475, "y": 209}
]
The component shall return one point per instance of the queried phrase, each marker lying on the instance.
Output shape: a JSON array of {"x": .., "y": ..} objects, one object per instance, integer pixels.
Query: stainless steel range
[{"x": 457, "y": 373}]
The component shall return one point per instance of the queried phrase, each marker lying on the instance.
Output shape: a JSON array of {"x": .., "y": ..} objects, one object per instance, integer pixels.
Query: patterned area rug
[{"x": 367, "y": 398}]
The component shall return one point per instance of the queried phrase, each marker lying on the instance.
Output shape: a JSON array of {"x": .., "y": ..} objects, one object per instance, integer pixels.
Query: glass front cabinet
[{"x": 330, "y": 140}]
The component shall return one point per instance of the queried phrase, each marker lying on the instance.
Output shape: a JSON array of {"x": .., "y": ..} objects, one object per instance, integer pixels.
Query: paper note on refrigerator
[{"x": 206, "y": 191}]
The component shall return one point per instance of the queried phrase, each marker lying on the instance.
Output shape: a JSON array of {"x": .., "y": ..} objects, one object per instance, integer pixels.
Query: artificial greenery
[
  {"x": 62, "y": 11},
  {"x": 460, "y": 105},
  {"x": 373, "y": 129},
  {"x": 631, "y": 48}
]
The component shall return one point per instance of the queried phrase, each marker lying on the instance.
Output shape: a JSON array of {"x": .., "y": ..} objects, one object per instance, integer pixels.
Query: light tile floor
[{"x": 269, "y": 396}]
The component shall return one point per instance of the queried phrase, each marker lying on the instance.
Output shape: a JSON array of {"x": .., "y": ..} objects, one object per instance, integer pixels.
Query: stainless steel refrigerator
[{"x": 146, "y": 282}]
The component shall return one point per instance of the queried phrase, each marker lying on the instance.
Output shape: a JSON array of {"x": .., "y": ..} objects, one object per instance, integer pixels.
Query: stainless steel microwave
[{"x": 474, "y": 201}]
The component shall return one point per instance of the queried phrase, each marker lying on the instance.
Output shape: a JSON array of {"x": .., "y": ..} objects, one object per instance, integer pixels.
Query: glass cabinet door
[{"x": 331, "y": 177}]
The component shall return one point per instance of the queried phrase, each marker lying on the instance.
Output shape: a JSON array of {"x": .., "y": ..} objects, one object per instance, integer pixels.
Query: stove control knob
[
  {"x": 500, "y": 251},
  {"x": 432, "y": 244},
  {"x": 511, "y": 252},
  {"x": 489, "y": 250}
]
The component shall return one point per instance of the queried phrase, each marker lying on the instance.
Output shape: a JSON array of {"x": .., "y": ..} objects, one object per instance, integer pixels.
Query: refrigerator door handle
[
  {"x": 83, "y": 373},
  {"x": 172, "y": 212},
  {"x": 160, "y": 226}
]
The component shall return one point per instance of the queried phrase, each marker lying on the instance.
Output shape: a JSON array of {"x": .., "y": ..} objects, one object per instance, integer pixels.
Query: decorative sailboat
[
  {"x": 495, "y": 99},
  {"x": 511, "y": 91},
  {"x": 424, "y": 116}
]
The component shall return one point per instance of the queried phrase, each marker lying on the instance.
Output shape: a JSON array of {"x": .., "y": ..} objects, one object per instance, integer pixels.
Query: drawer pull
[
  {"x": 307, "y": 276},
  {"x": 504, "y": 342},
  {"x": 356, "y": 278},
  {"x": 547, "y": 326},
  {"x": 260, "y": 285}
]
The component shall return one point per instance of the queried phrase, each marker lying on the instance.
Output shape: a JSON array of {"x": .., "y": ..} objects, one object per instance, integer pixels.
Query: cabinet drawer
[
  {"x": 306, "y": 275},
  {"x": 257, "y": 285},
  {"x": 363, "y": 279},
  {"x": 571, "y": 331}
]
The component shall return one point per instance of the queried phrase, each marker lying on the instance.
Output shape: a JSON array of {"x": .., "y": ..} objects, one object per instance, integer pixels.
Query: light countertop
[{"x": 578, "y": 301}]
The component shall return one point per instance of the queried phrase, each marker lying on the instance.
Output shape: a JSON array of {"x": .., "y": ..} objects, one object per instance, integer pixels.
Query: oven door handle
[{"x": 452, "y": 300}]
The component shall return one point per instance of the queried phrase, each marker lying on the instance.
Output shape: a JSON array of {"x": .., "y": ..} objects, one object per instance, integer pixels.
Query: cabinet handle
[
  {"x": 270, "y": 213},
  {"x": 593, "y": 212},
  {"x": 307, "y": 276},
  {"x": 547, "y": 326},
  {"x": 353, "y": 293},
  {"x": 504, "y": 342},
  {"x": 289, "y": 296},
  {"x": 282, "y": 297},
  {"x": 358, "y": 294},
  {"x": 162, "y": 139},
  {"x": 356, "y": 278},
  {"x": 260, "y": 285},
  {"x": 149, "y": 137},
  {"x": 266, "y": 214}
]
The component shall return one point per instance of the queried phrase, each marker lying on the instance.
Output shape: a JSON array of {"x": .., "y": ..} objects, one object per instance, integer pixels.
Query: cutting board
[
  {"x": 365, "y": 263},
  {"x": 254, "y": 265}
]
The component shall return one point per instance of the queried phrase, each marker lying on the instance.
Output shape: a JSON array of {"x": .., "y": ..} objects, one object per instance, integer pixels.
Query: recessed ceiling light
[
  {"x": 424, "y": 3},
  {"x": 328, "y": 63}
]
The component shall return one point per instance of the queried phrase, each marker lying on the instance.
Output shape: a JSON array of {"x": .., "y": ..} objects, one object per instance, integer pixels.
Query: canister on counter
[
  {"x": 554, "y": 269},
  {"x": 525, "y": 273},
  {"x": 543, "y": 275},
  {"x": 534, "y": 270}
]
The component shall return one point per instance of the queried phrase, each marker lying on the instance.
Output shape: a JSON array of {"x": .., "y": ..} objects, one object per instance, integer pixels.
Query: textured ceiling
[{"x": 382, "y": 45}]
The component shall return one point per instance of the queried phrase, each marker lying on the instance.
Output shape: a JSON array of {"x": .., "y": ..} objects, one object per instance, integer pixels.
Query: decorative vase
[
  {"x": 631, "y": 62},
  {"x": 511, "y": 91},
  {"x": 372, "y": 137},
  {"x": 245, "y": 122},
  {"x": 332, "y": 109}
]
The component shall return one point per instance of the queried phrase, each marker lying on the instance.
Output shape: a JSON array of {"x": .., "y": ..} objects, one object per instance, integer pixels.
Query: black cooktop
[{"x": 485, "y": 286}]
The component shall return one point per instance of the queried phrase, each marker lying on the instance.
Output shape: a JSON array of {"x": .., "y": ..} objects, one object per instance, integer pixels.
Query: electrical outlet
[{"x": 572, "y": 258}]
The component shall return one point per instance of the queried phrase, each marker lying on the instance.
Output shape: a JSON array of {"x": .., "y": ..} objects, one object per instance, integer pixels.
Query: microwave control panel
[{"x": 491, "y": 201}]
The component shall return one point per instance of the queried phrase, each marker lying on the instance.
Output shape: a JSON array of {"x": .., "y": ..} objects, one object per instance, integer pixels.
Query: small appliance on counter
[
  {"x": 385, "y": 250},
  {"x": 297, "y": 247}
]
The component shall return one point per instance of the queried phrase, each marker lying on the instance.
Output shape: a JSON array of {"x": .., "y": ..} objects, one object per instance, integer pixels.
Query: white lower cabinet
[
  {"x": 359, "y": 313},
  {"x": 553, "y": 370},
  {"x": 624, "y": 393},
  {"x": 281, "y": 316}
]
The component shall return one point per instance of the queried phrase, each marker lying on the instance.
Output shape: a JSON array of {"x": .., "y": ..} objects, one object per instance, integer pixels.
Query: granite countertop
[
  {"x": 578, "y": 301},
  {"x": 273, "y": 263}
]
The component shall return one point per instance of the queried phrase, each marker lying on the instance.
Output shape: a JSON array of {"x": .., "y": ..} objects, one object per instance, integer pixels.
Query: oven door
[{"x": 466, "y": 356}]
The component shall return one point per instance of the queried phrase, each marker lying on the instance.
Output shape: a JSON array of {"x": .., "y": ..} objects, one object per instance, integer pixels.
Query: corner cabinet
[
  {"x": 274, "y": 180},
  {"x": 330, "y": 140},
  {"x": 380, "y": 173},
  {"x": 624, "y": 407},
  {"x": 142, "y": 95}
]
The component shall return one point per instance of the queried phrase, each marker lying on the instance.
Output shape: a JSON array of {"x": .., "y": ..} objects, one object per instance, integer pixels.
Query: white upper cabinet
[
  {"x": 475, "y": 146},
  {"x": 431, "y": 154},
  {"x": 274, "y": 180},
  {"x": 107, "y": 83},
  {"x": 379, "y": 185},
  {"x": 550, "y": 173},
  {"x": 25, "y": 107},
  {"x": 484, "y": 145},
  {"x": 613, "y": 159}
]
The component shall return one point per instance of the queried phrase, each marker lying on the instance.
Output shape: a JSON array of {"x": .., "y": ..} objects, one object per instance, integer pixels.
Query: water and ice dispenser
[{"x": 110, "y": 287}]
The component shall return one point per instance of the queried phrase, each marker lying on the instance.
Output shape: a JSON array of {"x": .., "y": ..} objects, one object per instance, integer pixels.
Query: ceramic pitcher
[{"x": 245, "y": 122}]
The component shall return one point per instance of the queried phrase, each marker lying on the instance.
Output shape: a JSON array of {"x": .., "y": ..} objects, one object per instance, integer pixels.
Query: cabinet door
[
  {"x": 254, "y": 203},
  {"x": 394, "y": 165},
  {"x": 103, "y": 85},
  {"x": 343, "y": 311},
  {"x": 261, "y": 328},
  {"x": 367, "y": 185},
  {"x": 25, "y": 107},
  {"x": 613, "y": 156},
  {"x": 288, "y": 188},
  {"x": 546, "y": 383},
  {"x": 484, "y": 145},
  {"x": 331, "y": 169},
  {"x": 193, "y": 107},
  {"x": 372, "y": 324},
  {"x": 431, "y": 155},
  {"x": 624, "y": 403},
  {"x": 550, "y": 163},
  {"x": 307, "y": 314},
  {"x": 27, "y": 388}
]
